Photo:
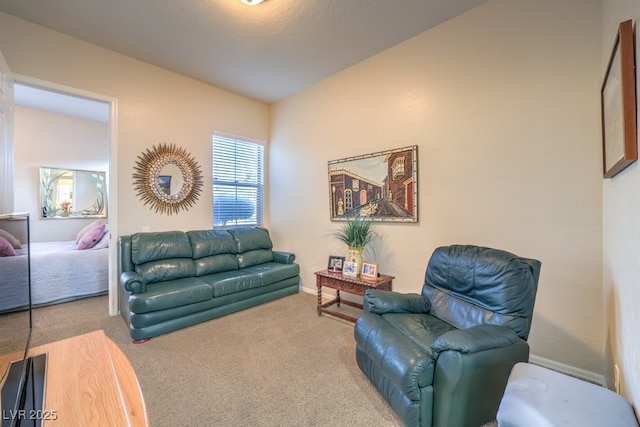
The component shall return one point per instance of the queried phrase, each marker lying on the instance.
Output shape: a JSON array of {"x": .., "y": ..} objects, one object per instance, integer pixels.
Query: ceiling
[
  {"x": 60, "y": 103},
  {"x": 265, "y": 52}
]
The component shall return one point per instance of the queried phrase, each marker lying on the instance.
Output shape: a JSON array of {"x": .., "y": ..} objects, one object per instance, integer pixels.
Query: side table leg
[
  {"x": 318, "y": 308},
  {"x": 338, "y": 297}
]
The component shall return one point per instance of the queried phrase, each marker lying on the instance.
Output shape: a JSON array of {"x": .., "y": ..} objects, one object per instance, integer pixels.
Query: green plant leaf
[{"x": 356, "y": 232}]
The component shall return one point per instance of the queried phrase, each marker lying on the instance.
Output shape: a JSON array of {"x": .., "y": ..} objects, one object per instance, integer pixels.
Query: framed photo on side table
[
  {"x": 335, "y": 263},
  {"x": 350, "y": 269},
  {"x": 369, "y": 270},
  {"x": 618, "y": 98}
]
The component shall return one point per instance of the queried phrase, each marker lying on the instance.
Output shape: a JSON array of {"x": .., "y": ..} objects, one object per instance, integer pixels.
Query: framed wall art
[
  {"x": 618, "y": 98},
  {"x": 381, "y": 186}
]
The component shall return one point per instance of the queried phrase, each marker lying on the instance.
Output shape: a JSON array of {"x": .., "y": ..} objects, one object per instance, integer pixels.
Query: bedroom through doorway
[{"x": 59, "y": 127}]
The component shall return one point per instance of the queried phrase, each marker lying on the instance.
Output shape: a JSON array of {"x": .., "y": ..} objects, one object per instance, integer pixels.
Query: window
[
  {"x": 237, "y": 181},
  {"x": 348, "y": 200},
  {"x": 398, "y": 167}
]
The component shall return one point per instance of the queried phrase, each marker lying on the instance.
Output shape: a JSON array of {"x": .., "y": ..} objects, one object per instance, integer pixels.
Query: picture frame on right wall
[{"x": 618, "y": 103}]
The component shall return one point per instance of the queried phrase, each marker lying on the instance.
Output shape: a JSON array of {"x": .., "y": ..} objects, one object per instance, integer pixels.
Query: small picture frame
[
  {"x": 369, "y": 270},
  {"x": 335, "y": 263},
  {"x": 350, "y": 269}
]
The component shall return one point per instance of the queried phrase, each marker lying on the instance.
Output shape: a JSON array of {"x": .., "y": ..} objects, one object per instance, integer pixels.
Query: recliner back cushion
[
  {"x": 471, "y": 285},
  {"x": 254, "y": 246},
  {"x": 146, "y": 247}
]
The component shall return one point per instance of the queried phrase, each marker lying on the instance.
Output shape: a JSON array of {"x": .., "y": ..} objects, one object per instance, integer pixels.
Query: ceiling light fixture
[{"x": 251, "y": 2}]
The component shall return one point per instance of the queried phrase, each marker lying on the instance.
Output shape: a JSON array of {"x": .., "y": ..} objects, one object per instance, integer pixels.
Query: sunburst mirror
[{"x": 168, "y": 178}]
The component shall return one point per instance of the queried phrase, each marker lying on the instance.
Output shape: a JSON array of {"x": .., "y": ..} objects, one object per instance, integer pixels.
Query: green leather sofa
[
  {"x": 174, "y": 279},
  {"x": 442, "y": 358}
]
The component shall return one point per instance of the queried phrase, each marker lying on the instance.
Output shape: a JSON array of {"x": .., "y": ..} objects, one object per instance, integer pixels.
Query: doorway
[{"x": 67, "y": 101}]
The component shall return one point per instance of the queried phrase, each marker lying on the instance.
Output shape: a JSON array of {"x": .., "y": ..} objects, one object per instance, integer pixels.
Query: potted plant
[{"x": 356, "y": 233}]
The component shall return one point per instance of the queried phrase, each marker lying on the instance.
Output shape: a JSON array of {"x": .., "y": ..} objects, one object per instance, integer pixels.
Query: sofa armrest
[
  {"x": 283, "y": 257},
  {"x": 381, "y": 302},
  {"x": 133, "y": 282},
  {"x": 475, "y": 339}
]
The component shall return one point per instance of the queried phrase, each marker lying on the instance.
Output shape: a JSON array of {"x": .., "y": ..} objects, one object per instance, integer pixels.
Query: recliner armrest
[
  {"x": 381, "y": 302},
  {"x": 475, "y": 339},
  {"x": 283, "y": 257},
  {"x": 133, "y": 282}
]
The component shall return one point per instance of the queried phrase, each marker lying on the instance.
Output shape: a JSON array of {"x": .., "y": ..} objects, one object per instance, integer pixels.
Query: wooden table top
[{"x": 89, "y": 381}]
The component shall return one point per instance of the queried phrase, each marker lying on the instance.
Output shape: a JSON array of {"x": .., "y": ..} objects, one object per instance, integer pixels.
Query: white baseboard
[
  {"x": 583, "y": 374},
  {"x": 308, "y": 290},
  {"x": 328, "y": 293}
]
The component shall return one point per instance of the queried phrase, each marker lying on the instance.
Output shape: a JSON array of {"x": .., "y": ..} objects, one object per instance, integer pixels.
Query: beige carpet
[{"x": 277, "y": 364}]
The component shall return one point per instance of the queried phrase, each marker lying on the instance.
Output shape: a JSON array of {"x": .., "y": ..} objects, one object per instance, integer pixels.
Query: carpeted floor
[{"x": 277, "y": 364}]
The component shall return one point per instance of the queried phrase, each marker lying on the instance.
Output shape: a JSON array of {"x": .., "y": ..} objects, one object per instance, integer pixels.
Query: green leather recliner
[{"x": 443, "y": 358}]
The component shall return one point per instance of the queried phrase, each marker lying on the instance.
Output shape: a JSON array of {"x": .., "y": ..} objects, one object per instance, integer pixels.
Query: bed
[{"x": 59, "y": 273}]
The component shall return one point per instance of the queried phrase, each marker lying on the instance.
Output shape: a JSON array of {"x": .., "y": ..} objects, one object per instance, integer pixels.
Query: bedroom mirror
[
  {"x": 71, "y": 193},
  {"x": 167, "y": 178}
]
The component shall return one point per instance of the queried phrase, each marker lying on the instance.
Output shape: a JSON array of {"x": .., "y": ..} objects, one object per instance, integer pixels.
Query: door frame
[{"x": 112, "y": 171}]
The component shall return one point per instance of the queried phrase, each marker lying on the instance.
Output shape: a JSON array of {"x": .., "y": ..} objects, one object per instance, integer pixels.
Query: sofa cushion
[
  {"x": 167, "y": 269},
  {"x": 251, "y": 238},
  {"x": 147, "y": 247},
  {"x": 215, "y": 264},
  {"x": 169, "y": 294},
  {"x": 272, "y": 272},
  {"x": 229, "y": 282},
  {"x": 255, "y": 257},
  {"x": 205, "y": 243},
  {"x": 422, "y": 329}
]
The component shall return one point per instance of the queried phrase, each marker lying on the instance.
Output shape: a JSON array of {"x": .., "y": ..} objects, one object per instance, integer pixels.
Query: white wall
[
  {"x": 621, "y": 241},
  {"x": 503, "y": 103},
  {"x": 43, "y": 138},
  {"x": 154, "y": 106}
]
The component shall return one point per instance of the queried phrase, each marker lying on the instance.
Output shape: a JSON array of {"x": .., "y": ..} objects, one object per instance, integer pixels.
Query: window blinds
[{"x": 237, "y": 182}]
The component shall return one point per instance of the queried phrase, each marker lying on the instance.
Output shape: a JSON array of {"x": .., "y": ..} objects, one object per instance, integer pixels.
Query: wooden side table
[{"x": 355, "y": 286}]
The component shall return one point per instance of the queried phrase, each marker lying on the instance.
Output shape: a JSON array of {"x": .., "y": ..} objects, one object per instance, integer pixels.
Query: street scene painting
[{"x": 380, "y": 186}]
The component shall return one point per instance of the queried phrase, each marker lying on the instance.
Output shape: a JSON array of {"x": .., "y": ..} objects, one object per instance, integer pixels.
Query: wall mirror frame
[
  {"x": 72, "y": 193},
  {"x": 167, "y": 178}
]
